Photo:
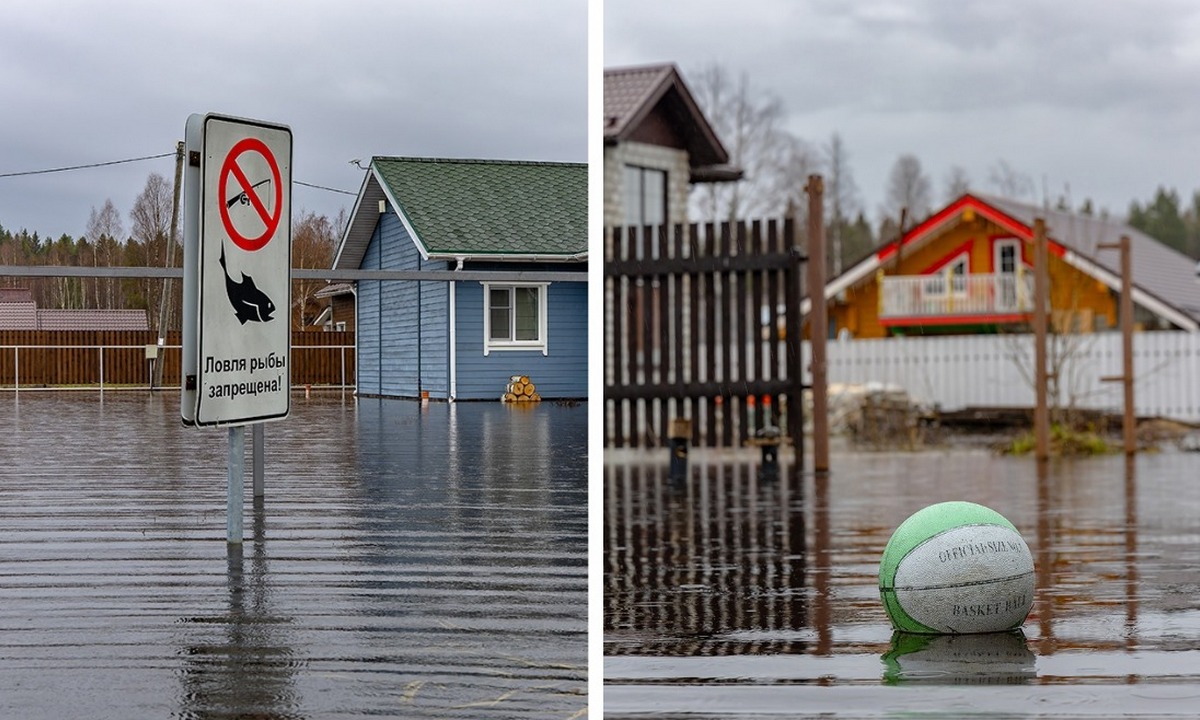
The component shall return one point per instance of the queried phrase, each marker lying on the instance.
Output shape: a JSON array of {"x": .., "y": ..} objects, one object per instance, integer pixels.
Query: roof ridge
[
  {"x": 476, "y": 161},
  {"x": 1109, "y": 219},
  {"x": 658, "y": 67}
]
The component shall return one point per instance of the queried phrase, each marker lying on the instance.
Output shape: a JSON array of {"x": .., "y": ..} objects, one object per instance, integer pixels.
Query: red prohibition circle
[{"x": 270, "y": 220}]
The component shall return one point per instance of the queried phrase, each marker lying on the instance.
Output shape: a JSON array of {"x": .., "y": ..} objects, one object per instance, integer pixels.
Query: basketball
[{"x": 956, "y": 567}]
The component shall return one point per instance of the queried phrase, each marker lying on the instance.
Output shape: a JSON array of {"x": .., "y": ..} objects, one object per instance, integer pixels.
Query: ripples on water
[
  {"x": 406, "y": 562},
  {"x": 732, "y": 595}
]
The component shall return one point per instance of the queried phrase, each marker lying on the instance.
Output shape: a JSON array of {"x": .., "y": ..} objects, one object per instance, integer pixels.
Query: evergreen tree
[{"x": 1161, "y": 219}]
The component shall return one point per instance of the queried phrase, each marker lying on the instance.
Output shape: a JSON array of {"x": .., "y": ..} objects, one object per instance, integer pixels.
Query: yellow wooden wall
[{"x": 1073, "y": 294}]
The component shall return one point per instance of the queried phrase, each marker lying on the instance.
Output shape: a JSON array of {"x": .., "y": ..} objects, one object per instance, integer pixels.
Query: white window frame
[
  {"x": 490, "y": 345},
  {"x": 635, "y": 192},
  {"x": 998, "y": 251}
]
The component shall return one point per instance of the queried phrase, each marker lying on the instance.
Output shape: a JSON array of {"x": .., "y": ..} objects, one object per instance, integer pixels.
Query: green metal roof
[{"x": 489, "y": 207}]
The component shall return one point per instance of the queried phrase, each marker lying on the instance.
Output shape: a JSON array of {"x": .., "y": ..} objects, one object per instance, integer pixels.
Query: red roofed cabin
[{"x": 968, "y": 269}]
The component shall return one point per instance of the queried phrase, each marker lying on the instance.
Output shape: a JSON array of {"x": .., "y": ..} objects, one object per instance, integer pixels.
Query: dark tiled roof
[
  {"x": 490, "y": 207},
  {"x": 27, "y": 316},
  {"x": 49, "y": 319},
  {"x": 629, "y": 91},
  {"x": 18, "y": 316},
  {"x": 631, "y": 94},
  {"x": 13, "y": 295}
]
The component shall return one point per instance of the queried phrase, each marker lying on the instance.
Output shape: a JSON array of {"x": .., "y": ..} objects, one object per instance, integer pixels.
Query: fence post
[
  {"x": 1041, "y": 293},
  {"x": 1128, "y": 418}
]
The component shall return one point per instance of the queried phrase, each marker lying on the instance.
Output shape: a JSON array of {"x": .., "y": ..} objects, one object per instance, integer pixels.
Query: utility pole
[
  {"x": 818, "y": 323},
  {"x": 164, "y": 301}
]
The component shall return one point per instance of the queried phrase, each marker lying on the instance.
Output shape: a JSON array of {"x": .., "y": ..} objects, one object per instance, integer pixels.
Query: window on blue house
[{"x": 514, "y": 317}]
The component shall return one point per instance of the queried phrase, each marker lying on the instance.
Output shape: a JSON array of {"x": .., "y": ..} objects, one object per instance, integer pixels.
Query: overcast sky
[
  {"x": 88, "y": 82},
  {"x": 1101, "y": 96}
]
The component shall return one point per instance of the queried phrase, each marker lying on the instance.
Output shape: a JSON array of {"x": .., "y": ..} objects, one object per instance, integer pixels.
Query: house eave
[
  {"x": 716, "y": 174},
  {"x": 508, "y": 257},
  {"x": 1140, "y": 296}
]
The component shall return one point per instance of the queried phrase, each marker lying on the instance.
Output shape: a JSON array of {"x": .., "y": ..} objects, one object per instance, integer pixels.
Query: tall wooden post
[
  {"x": 818, "y": 323},
  {"x": 1041, "y": 293},
  {"x": 1128, "y": 417}
]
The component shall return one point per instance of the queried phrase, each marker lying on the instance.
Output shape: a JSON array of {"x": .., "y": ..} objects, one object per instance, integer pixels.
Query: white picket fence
[{"x": 996, "y": 370}]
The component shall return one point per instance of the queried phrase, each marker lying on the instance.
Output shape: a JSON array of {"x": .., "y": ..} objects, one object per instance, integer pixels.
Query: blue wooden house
[{"x": 465, "y": 339}]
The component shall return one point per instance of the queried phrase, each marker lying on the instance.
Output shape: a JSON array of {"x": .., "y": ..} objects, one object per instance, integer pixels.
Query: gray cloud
[
  {"x": 1099, "y": 96},
  {"x": 89, "y": 82}
]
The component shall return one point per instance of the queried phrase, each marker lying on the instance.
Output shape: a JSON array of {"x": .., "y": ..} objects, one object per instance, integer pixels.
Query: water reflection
[
  {"x": 715, "y": 566},
  {"x": 474, "y": 546},
  {"x": 727, "y": 564},
  {"x": 405, "y": 563},
  {"x": 1087, "y": 558},
  {"x": 979, "y": 659},
  {"x": 240, "y": 663}
]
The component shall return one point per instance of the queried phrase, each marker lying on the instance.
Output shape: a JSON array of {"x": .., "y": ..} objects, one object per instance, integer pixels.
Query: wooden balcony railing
[{"x": 915, "y": 296}]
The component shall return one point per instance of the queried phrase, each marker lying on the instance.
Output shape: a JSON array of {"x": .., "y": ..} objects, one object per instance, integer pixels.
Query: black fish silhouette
[{"x": 249, "y": 303}]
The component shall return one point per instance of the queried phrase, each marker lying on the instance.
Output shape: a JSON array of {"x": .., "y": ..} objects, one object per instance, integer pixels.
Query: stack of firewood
[{"x": 520, "y": 389}]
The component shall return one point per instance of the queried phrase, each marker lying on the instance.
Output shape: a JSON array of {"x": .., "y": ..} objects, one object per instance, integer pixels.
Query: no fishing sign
[{"x": 237, "y": 271}]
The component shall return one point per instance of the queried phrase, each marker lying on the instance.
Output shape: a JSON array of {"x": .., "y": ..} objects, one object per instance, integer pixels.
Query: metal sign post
[
  {"x": 237, "y": 285},
  {"x": 236, "y": 489}
]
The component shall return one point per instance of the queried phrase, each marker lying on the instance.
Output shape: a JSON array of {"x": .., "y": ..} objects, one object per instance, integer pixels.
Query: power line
[
  {"x": 84, "y": 167},
  {"x": 24, "y": 173},
  {"x": 322, "y": 187}
]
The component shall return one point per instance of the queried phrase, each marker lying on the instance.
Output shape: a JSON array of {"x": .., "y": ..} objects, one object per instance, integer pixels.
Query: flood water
[
  {"x": 729, "y": 595},
  {"x": 405, "y": 562}
]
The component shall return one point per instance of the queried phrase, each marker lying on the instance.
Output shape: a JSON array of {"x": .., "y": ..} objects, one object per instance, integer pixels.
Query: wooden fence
[
  {"x": 66, "y": 358},
  {"x": 703, "y": 323}
]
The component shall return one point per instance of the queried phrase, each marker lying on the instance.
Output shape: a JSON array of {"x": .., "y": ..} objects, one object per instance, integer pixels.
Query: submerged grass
[{"x": 1064, "y": 441}]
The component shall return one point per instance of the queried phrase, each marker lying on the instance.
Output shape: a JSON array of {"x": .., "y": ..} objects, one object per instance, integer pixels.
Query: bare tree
[
  {"x": 1008, "y": 182},
  {"x": 750, "y": 125},
  {"x": 151, "y": 220},
  {"x": 104, "y": 232},
  {"x": 65, "y": 292},
  {"x": 842, "y": 194},
  {"x": 908, "y": 187},
  {"x": 313, "y": 243},
  {"x": 957, "y": 183}
]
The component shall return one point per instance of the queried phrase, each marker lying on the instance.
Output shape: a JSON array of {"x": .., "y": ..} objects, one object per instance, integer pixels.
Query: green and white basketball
[{"x": 956, "y": 567}]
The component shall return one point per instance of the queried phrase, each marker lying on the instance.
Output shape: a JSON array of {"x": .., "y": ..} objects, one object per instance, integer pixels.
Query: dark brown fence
[
  {"x": 64, "y": 358},
  {"x": 703, "y": 323}
]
